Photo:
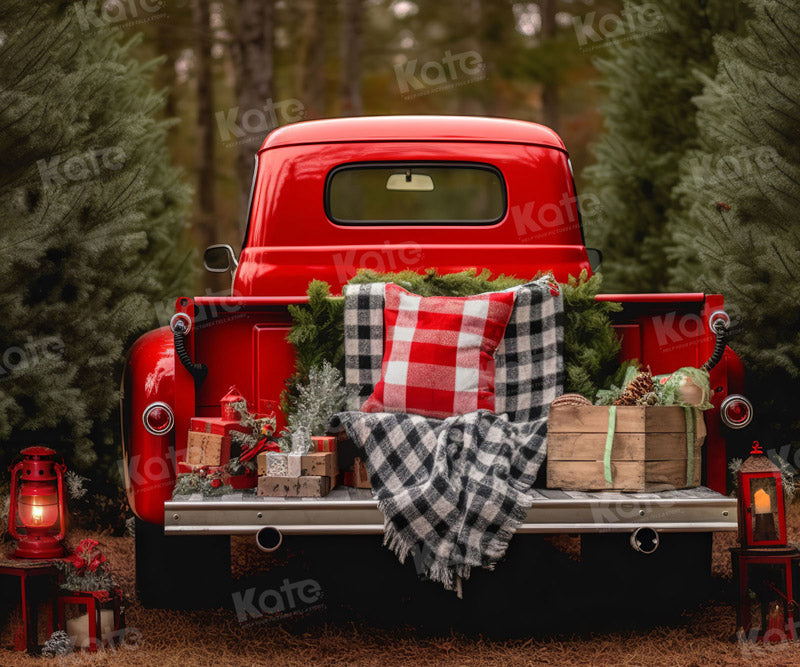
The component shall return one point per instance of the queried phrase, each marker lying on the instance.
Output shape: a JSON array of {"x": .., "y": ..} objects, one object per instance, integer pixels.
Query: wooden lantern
[{"x": 762, "y": 516}]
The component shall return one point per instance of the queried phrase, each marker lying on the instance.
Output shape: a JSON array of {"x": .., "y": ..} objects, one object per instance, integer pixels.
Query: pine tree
[
  {"x": 92, "y": 213},
  {"x": 739, "y": 235},
  {"x": 650, "y": 124},
  {"x": 323, "y": 395}
]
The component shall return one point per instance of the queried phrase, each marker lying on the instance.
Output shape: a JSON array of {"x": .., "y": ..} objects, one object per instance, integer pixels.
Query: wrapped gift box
[
  {"x": 324, "y": 443},
  {"x": 310, "y": 475},
  {"x": 323, "y": 464},
  {"x": 642, "y": 448},
  {"x": 207, "y": 449},
  {"x": 184, "y": 467},
  {"x": 305, "y": 486},
  {"x": 360, "y": 475},
  {"x": 209, "y": 441},
  {"x": 216, "y": 425}
]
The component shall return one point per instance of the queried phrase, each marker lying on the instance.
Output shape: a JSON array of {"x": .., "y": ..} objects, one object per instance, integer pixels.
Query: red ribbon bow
[
  {"x": 85, "y": 558},
  {"x": 264, "y": 445}
]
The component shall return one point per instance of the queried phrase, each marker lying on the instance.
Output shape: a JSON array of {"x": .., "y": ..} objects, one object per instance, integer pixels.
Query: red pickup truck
[{"x": 505, "y": 201}]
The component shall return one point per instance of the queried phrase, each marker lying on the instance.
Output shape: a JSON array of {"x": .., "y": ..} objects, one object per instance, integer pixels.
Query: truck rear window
[{"x": 415, "y": 193}]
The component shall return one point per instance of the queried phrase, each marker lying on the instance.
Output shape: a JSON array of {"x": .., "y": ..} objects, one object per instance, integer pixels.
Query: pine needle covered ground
[{"x": 700, "y": 636}]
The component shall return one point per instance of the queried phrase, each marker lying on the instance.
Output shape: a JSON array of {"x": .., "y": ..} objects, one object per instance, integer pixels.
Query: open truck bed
[{"x": 349, "y": 511}]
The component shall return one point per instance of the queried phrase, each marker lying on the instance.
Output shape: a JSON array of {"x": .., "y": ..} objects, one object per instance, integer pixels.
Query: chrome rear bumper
[{"x": 347, "y": 511}]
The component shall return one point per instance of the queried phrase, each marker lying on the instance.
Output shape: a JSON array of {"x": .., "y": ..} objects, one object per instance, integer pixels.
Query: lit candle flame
[
  {"x": 38, "y": 515},
  {"x": 762, "y": 502}
]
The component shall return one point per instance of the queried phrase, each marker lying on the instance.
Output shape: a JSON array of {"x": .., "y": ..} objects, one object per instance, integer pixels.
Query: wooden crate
[{"x": 649, "y": 450}]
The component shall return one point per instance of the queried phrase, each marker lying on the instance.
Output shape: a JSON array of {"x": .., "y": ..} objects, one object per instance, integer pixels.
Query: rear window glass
[{"x": 415, "y": 193}]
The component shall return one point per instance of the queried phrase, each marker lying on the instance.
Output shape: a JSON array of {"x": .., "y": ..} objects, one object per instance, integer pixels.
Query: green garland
[
  {"x": 590, "y": 343},
  {"x": 430, "y": 283},
  {"x": 591, "y": 346}
]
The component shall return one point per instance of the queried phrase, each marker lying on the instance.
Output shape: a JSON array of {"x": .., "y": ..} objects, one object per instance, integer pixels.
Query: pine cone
[
  {"x": 640, "y": 385},
  {"x": 570, "y": 399},
  {"x": 650, "y": 398}
]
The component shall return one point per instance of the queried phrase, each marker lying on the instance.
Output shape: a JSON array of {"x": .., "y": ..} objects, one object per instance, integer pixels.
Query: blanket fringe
[
  {"x": 440, "y": 568},
  {"x": 452, "y": 575}
]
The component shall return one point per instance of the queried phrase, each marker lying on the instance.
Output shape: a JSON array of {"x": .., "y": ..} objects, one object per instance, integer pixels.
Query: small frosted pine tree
[
  {"x": 650, "y": 124},
  {"x": 323, "y": 395},
  {"x": 739, "y": 234},
  {"x": 92, "y": 215}
]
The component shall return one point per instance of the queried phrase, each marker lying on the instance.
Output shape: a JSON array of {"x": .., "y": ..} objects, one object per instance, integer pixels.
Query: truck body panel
[{"x": 541, "y": 225}]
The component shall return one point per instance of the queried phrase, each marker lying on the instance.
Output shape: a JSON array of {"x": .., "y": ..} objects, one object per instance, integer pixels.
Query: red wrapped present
[
  {"x": 209, "y": 441},
  {"x": 183, "y": 467},
  {"x": 246, "y": 480},
  {"x": 360, "y": 475},
  {"x": 324, "y": 443},
  {"x": 216, "y": 425}
]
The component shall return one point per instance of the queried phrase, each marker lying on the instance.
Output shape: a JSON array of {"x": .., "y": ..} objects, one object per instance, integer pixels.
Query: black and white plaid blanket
[{"x": 454, "y": 491}]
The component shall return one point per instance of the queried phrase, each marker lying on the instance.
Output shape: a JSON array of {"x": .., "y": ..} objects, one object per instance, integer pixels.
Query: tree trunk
[
  {"x": 206, "y": 220},
  {"x": 252, "y": 53},
  {"x": 550, "y": 101},
  {"x": 470, "y": 102},
  {"x": 310, "y": 65},
  {"x": 350, "y": 46},
  {"x": 164, "y": 76}
]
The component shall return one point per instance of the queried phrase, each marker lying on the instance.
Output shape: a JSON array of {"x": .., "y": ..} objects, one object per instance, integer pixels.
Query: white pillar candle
[
  {"x": 78, "y": 627},
  {"x": 762, "y": 502}
]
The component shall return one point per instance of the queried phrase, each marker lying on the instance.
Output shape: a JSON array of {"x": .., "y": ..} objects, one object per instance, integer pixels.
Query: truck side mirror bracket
[{"x": 219, "y": 258}]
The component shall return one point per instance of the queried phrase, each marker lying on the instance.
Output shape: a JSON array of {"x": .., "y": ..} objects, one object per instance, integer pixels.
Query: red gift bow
[
  {"x": 74, "y": 560},
  {"x": 83, "y": 557},
  {"x": 86, "y": 546},
  {"x": 93, "y": 564},
  {"x": 264, "y": 445}
]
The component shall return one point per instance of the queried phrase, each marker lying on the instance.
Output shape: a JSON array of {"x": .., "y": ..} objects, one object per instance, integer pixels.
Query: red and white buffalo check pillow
[{"x": 438, "y": 359}]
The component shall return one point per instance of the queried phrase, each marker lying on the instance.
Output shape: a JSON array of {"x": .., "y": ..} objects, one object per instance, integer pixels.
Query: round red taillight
[
  {"x": 158, "y": 418},
  {"x": 736, "y": 411}
]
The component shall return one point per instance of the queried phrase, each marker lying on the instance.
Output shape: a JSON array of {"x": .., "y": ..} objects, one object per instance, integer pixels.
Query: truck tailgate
[{"x": 348, "y": 511}]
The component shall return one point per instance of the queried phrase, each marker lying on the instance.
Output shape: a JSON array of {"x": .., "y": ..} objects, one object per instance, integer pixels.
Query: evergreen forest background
[{"x": 128, "y": 129}]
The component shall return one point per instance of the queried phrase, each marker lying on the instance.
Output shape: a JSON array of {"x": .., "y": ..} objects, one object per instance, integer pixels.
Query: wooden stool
[
  {"x": 93, "y": 609},
  {"x": 25, "y": 570}
]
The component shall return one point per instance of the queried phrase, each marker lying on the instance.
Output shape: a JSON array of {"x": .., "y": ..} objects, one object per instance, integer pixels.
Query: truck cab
[{"x": 332, "y": 196}]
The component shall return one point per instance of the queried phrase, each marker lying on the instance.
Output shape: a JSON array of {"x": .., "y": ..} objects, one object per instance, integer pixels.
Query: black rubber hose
[
  {"x": 197, "y": 371},
  {"x": 721, "y": 331}
]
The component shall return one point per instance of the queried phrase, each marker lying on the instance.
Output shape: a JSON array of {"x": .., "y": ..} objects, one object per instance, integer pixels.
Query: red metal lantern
[
  {"x": 762, "y": 516},
  {"x": 37, "y": 516},
  {"x": 226, "y": 404},
  {"x": 767, "y": 606}
]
